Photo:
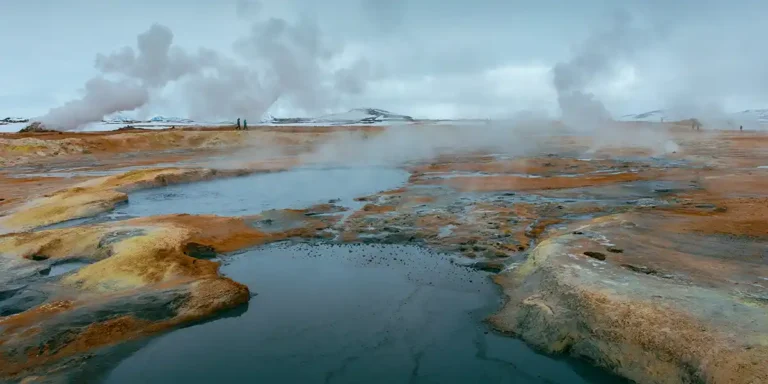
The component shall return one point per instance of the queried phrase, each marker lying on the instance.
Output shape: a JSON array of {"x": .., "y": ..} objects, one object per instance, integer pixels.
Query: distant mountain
[
  {"x": 363, "y": 116},
  {"x": 13, "y": 120},
  {"x": 119, "y": 119},
  {"x": 163, "y": 119},
  {"x": 355, "y": 116},
  {"x": 122, "y": 119},
  {"x": 662, "y": 115},
  {"x": 656, "y": 116},
  {"x": 760, "y": 115}
]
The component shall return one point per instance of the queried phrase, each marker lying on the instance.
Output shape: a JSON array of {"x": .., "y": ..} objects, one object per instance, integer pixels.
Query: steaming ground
[{"x": 599, "y": 237}]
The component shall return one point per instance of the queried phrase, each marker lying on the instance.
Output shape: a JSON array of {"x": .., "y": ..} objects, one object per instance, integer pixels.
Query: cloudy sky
[{"x": 426, "y": 58}]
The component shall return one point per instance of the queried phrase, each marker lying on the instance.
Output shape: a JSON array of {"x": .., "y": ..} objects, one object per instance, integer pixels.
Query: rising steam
[
  {"x": 280, "y": 60},
  {"x": 597, "y": 57},
  {"x": 102, "y": 97}
]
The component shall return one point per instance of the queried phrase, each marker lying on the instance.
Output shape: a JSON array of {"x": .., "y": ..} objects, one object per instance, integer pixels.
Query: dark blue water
[{"x": 351, "y": 314}]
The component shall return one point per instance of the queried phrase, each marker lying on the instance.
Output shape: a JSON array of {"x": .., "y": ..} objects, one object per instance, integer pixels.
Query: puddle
[
  {"x": 351, "y": 314},
  {"x": 248, "y": 195},
  {"x": 64, "y": 267},
  {"x": 623, "y": 191},
  {"x": 297, "y": 188},
  {"x": 446, "y": 231},
  {"x": 102, "y": 218}
]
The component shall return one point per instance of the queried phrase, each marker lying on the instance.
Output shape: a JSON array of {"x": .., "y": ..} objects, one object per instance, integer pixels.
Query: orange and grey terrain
[{"x": 652, "y": 265}]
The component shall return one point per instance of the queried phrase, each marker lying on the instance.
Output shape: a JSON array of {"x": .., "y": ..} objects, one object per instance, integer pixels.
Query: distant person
[
  {"x": 245, "y": 124},
  {"x": 238, "y": 123},
  {"x": 741, "y": 127}
]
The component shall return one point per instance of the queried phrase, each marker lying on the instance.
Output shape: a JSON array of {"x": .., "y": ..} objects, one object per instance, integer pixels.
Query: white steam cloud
[
  {"x": 597, "y": 57},
  {"x": 101, "y": 98},
  {"x": 280, "y": 61}
]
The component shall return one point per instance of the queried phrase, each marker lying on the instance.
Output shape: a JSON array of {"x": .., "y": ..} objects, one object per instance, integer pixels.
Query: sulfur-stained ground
[{"x": 652, "y": 266}]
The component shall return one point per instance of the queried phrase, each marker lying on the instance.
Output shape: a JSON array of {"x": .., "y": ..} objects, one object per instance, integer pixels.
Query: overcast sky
[{"x": 428, "y": 58}]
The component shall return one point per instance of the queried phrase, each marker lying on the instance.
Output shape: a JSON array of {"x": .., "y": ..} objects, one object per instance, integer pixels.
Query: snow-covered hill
[
  {"x": 352, "y": 117},
  {"x": 119, "y": 119},
  {"x": 747, "y": 117},
  {"x": 656, "y": 116},
  {"x": 760, "y": 115},
  {"x": 363, "y": 115},
  {"x": 357, "y": 116},
  {"x": 177, "y": 120}
]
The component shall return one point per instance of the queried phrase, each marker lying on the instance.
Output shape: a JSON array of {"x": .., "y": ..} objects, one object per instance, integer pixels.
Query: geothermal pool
[
  {"x": 350, "y": 314},
  {"x": 297, "y": 188},
  {"x": 253, "y": 194}
]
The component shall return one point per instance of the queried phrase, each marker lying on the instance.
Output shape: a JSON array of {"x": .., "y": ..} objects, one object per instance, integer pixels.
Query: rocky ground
[{"x": 653, "y": 267}]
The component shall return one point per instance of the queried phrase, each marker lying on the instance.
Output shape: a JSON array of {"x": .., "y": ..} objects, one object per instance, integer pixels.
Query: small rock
[
  {"x": 615, "y": 250},
  {"x": 578, "y": 232},
  {"x": 640, "y": 269},
  {"x": 595, "y": 255},
  {"x": 35, "y": 127},
  {"x": 199, "y": 251},
  {"x": 499, "y": 254},
  {"x": 489, "y": 266}
]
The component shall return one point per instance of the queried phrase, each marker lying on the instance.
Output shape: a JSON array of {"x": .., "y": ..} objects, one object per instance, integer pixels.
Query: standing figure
[
  {"x": 245, "y": 124},
  {"x": 238, "y": 123}
]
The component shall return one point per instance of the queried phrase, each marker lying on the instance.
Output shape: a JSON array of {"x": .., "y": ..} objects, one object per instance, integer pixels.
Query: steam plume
[
  {"x": 101, "y": 98},
  {"x": 597, "y": 57},
  {"x": 280, "y": 60}
]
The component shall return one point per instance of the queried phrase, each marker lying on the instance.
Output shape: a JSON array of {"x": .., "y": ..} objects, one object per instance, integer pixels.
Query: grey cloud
[
  {"x": 385, "y": 15},
  {"x": 247, "y": 8},
  {"x": 353, "y": 79},
  {"x": 433, "y": 56}
]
